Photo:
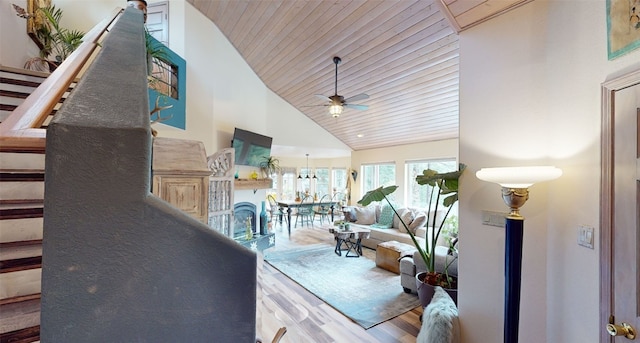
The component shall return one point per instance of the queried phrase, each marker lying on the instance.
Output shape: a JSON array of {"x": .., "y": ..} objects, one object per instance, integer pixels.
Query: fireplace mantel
[{"x": 242, "y": 184}]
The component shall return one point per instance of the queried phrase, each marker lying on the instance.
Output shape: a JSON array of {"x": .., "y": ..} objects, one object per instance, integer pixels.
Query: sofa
[
  {"x": 386, "y": 226},
  {"x": 375, "y": 218}
]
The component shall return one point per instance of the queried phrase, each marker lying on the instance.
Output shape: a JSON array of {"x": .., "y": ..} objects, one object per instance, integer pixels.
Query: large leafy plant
[
  {"x": 444, "y": 190},
  {"x": 58, "y": 41},
  {"x": 55, "y": 42}
]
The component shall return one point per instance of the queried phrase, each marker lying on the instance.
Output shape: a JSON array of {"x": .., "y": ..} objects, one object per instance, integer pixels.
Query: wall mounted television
[{"x": 251, "y": 148}]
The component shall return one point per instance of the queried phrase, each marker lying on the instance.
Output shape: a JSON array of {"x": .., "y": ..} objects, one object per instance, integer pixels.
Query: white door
[
  {"x": 158, "y": 21},
  {"x": 624, "y": 205}
]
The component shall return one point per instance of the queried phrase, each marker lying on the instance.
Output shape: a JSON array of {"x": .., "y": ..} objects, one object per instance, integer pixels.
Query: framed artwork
[
  {"x": 36, "y": 19},
  {"x": 623, "y": 27}
]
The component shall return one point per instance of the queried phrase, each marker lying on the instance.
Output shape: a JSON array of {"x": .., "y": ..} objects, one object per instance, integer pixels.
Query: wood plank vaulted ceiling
[{"x": 402, "y": 53}]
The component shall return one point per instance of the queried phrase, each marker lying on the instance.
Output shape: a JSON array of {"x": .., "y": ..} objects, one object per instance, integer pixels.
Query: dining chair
[
  {"x": 305, "y": 211},
  {"x": 322, "y": 209},
  {"x": 337, "y": 200},
  {"x": 277, "y": 214}
]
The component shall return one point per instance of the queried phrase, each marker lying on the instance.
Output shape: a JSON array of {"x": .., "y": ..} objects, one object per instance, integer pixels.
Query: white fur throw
[{"x": 440, "y": 320}]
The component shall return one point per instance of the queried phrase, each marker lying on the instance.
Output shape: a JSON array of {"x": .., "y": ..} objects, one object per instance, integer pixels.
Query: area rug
[{"x": 366, "y": 294}]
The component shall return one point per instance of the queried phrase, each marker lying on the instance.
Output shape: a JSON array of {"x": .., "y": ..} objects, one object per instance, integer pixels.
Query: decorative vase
[
  {"x": 236, "y": 175},
  {"x": 426, "y": 291},
  {"x": 263, "y": 220}
]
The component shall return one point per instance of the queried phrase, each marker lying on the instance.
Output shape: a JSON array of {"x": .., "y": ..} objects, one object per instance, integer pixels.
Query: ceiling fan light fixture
[{"x": 335, "y": 110}]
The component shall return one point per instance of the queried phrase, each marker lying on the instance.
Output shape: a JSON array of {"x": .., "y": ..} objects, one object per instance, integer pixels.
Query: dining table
[{"x": 291, "y": 204}]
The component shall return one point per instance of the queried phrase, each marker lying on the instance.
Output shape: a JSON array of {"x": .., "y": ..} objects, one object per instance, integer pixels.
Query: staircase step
[
  {"x": 19, "y": 264},
  {"x": 21, "y": 176},
  {"x": 34, "y": 83},
  {"x": 27, "y": 335},
  {"x": 21, "y": 184},
  {"x": 20, "y": 210},
  {"x": 20, "y": 283},
  {"x": 22, "y": 249},
  {"x": 19, "y": 162},
  {"x": 13, "y": 94},
  {"x": 19, "y": 315},
  {"x": 25, "y": 191}
]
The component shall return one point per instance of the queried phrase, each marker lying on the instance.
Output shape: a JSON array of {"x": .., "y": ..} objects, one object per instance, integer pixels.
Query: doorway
[{"x": 620, "y": 205}]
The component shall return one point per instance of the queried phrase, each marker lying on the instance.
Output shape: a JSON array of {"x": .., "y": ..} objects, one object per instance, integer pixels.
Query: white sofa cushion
[{"x": 365, "y": 215}]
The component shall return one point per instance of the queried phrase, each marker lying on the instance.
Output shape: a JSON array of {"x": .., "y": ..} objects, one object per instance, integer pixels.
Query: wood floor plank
[{"x": 309, "y": 319}]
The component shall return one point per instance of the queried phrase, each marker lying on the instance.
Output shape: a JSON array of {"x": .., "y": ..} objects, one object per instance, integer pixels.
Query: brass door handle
[{"x": 625, "y": 330}]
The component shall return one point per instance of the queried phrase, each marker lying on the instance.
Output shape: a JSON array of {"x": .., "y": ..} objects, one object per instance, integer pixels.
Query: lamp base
[
  {"x": 515, "y": 198},
  {"x": 514, "y": 232}
]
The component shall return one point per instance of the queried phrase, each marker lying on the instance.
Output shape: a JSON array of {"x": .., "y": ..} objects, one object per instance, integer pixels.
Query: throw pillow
[
  {"x": 386, "y": 217},
  {"x": 407, "y": 217},
  {"x": 350, "y": 214},
  {"x": 419, "y": 221},
  {"x": 396, "y": 219},
  {"x": 365, "y": 215},
  {"x": 439, "y": 320}
]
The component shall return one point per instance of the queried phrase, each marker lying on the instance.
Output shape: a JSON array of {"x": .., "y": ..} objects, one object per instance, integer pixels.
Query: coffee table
[{"x": 346, "y": 238}]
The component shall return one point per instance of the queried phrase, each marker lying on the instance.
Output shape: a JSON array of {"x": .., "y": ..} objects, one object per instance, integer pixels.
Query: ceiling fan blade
[
  {"x": 325, "y": 105},
  {"x": 323, "y": 97},
  {"x": 357, "y": 107},
  {"x": 357, "y": 97}
]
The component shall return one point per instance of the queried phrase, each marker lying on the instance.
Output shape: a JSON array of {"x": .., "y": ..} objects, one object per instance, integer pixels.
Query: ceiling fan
[{"x": 337, "y": 103}]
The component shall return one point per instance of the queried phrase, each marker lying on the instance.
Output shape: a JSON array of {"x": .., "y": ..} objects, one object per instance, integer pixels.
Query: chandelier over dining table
[{"x": 307, "y": 177}]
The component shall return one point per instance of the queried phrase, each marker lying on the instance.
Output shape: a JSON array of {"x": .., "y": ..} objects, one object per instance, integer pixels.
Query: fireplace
[{"x": 242, "y": 211}]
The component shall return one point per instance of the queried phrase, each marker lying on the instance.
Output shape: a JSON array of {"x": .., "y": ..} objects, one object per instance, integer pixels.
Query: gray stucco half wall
[{"x": 119, "y": 264}]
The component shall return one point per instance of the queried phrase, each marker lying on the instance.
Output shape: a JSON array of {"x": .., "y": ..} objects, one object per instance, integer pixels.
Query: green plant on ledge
[
  {"x": 442, "y": 185},
  {"x": 269, "y": 166}
]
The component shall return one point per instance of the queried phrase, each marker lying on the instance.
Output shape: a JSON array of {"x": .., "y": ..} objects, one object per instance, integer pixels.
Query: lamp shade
[{"x": 518, "y": 177}]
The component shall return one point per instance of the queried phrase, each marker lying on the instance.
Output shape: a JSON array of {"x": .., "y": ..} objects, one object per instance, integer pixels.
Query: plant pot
[{"x": 426, "y": 291}]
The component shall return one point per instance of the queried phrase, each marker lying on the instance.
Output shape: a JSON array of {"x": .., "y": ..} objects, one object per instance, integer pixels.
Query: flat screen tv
[{"x": 251, "y": 148}]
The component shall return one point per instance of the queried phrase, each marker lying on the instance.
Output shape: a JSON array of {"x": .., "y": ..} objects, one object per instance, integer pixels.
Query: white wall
[
  {"x": 529, "y": 95},
  {"x": 15, "y": 45}
]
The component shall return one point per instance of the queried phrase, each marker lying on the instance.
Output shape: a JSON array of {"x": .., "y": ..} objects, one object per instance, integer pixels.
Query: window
[
  {"x": 164, "y": 77},
  {"x": 304, "y": 183},
  {"x": 417, "y": 195},
  {"x": 322, "y": 183},
  {"x": 274, "y": 187},
  {"x": 339, "y": 180},
  {"x": 376, "y": 175},
  {"x": 288, "y": 183}
]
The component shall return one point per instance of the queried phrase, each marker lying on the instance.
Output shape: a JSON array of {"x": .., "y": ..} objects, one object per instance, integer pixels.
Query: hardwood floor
[{"x": 282, "y": 302}]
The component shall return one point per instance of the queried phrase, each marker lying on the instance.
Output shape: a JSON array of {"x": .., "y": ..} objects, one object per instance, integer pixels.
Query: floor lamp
[{"x": 515, "y": 182}]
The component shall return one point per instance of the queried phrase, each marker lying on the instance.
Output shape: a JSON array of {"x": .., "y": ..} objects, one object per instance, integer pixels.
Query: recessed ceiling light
[{"x": 359, "y": 135}]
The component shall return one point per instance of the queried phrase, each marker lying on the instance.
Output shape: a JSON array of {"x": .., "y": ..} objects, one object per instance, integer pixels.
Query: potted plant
[
  {"x": 445, "y": 186},
  {"x": 53, "y": 40},
  {"x": 269, "y": 166}
]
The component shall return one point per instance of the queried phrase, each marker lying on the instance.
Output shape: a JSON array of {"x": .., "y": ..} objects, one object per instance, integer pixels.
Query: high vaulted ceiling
[{"x": 402, "y": 53}]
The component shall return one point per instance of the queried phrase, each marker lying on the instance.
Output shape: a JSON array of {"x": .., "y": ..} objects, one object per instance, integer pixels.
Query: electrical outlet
[
  {"x": 493, "y": 218},
  {"x": 585, "y": 236}
]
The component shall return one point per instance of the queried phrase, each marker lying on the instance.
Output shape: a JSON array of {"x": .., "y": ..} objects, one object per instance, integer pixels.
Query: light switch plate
[
  {"x": 585, "y": 236},
  {"x": 493, "y": 218}
]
